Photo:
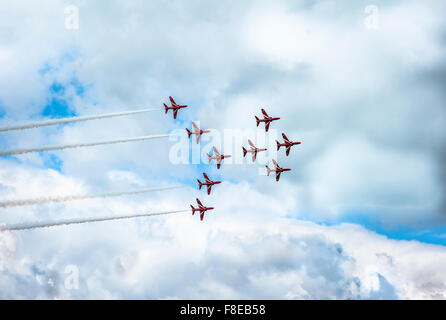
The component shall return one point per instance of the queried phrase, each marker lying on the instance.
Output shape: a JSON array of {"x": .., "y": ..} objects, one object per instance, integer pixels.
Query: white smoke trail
[
  {"x": 78, "y": 145},
  {"x": 43, "y": 200},
  {"x": 73, "y": 119},
  {"x": 27, "y": 226}
]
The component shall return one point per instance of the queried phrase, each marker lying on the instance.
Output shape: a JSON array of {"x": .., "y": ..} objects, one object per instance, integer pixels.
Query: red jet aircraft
[
  {"x": 196, "y": 131},
  {"x": 253, "y": 150},
  {"x": 218, "y": 157},
  {"x": 202, "y": 209},
  {"x": 287, "y": 144},
  {"x": 267, "y": 119},
  {"x": 278, "y": 170},
  {"x": 208, "y": 183},
  {"x": 175, "y": 107}
]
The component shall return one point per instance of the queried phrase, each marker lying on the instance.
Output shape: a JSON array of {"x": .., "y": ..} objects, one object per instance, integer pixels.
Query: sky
[{"x": 360, "y": 84}]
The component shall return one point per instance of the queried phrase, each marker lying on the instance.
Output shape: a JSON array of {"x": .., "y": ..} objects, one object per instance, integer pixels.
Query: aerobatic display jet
[
  {"x": 175, "y": 107},
  {"x": 197, "y": 131},
  {"x": 218, "y": 157},
  {"x": 278, "y": 170},
  {"x": 202, "y": 209},
  {"x": 208, "y": 183},
  {"x": 287, "y": 144},
  {"x": 253, "y": 150},
  {"x": 267, "y": 119}
]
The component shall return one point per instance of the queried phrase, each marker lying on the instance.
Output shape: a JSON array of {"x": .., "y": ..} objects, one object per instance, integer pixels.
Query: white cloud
[
  {"x": 242, "y": 250},
  {"x": 388, "y": 181},
  {"x": 234, "y": 259}
]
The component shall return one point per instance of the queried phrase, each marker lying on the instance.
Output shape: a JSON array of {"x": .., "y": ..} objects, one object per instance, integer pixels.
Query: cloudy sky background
[{"x": 360, "y": 216}]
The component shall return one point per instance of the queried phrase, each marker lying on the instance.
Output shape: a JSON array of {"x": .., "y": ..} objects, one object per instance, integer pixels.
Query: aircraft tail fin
[
  {"x": 193, "y": 209},
  {"x": 244, "y": 151},
  {"x": 257, "y": 120},
  {"x": 189, "y": 133},
  {"x": 278, "y": 145},
  {"x": 199, "y": 184},
  {"x": 166, "y": 108},
  {"x": 268, "y": 170}
]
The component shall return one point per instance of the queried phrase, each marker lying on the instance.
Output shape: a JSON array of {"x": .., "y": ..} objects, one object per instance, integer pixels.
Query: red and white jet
[
  {"x": 196, "y": 131},
  {"x": 208, "y": 183},
  {"x": 202, "y": 209},
  {"x": 287, "y": 144},
  {"x": 175, "y": 107},
  {"x": 218, "y": 157},
  {"x": 278, "y": 170},
  {"x": 267, "y": 119},
  {"x": 253, "y": 150}
]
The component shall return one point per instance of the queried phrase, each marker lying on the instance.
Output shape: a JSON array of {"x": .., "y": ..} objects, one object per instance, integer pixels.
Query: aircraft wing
[
  {"x": 288, "y": 150},
  {"x": 278, "y": 176},
  {"x": 175, "y": 112},
  {"x": 172, "y": 101},
  {"x": 216, "y": 153},
  {"x": 275, "y": 164},
  {"x": 219, "y": 163},
  {"x": 201, "y": 215},
  {"x": 209, "y": 189},
  {"x": 195, "y": 126},
  {"x": 199, "y": 203},
  {"x": 254, "y": 155},
  {"x": 267, "y": 126},
  {"x": 206, "y": 177},
  {"x": 264, "y": 113},
  {"x": 283, "y": 136},
  {"x": 198, "y": 138},
  {"x": 251, "y": 144}
]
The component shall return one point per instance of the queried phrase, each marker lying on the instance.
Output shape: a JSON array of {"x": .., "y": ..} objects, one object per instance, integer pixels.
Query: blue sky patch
[
  {"x": 52, "y": 161},
  {"x": 58, "y": 106}
]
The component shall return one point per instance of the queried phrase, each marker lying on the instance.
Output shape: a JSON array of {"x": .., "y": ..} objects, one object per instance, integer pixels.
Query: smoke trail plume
[
  {"x": 43, "y": 200},
  {"x": 48, "y": 224},
  {"x": 78, "y": 145},
  {"x": 73, "y": 119}
]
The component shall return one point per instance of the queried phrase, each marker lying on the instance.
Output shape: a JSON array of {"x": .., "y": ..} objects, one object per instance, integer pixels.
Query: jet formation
[
  {"x": 197, "y": 131},
  {"x": 267, "y": 119},
  {"x": 201, "y": 208},
  {"x": 207, "y": 182},
  {"x": 174, "y": 107},
  {"x": 219, "y": 157},
  {"x": 287, "y": 144},
  {"x": 253, "y": 150},
  {"x": 277, "y": 169}
]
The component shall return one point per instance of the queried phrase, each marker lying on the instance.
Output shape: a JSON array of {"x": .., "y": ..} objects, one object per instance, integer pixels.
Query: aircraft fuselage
[
  {"x": 269, "y": 119},
  {"x": 287, "y": 144}
]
